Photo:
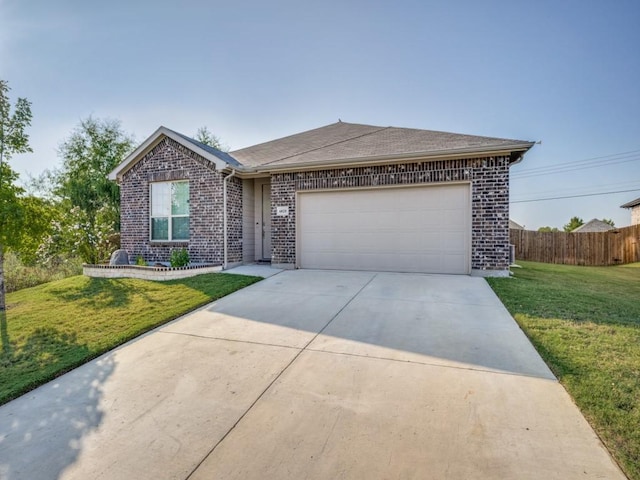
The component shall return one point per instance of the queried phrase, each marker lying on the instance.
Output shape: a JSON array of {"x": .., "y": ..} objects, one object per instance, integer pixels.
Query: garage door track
[{"x": 317, "y": 375}]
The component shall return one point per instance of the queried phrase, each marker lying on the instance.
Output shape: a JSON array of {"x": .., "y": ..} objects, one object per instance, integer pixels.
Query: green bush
[
  {"x": 140, "y": 261},
  {"x": 179, "y": 258}
]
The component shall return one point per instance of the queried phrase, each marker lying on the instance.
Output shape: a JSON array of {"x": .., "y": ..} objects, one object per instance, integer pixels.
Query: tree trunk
[{"x": 2, "y": 292}]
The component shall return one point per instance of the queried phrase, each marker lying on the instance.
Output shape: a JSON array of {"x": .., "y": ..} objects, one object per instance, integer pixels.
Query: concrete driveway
[{"x": 316, "y": 375}]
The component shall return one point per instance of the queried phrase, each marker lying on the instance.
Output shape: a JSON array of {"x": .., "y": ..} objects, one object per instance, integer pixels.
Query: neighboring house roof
[
  {"x": 631, "y": 204},
  {"x": 515, "y": 226},
  {"x": 338, "y": 143},
  {"x": 350, "y": 141},
  {"x": 594, "y": 225}
]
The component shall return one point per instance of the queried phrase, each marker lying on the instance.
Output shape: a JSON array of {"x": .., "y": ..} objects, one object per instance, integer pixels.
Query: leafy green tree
[
  {"x": 548, "y": 229},
  {"x": 13, "y": 140},
  {"x": 609, "y": 221},
  {"x": 203, "y": 135},
  {"x": 39, "y": 214},
  {"x": 93, "y": 150},
  {"x": 574, "y": 223},
  {"x": 88, "y": 200},
  {"x": 75, "y": 233}
]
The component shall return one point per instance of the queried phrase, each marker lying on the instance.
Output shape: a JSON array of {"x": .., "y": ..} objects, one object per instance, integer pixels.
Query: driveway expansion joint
[
  {"x": 206, "y": 337},
  {"x": 430, "y": 364}
]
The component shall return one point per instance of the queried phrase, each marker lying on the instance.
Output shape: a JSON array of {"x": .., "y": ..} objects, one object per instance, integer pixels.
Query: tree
[
  {"x": 609, "y": 221},
  {"x": 574, "y": 223},
  {"x": 93, "y": 150},
  {"x": 548, "y": 229},
  {"x": 91, "y": 238},
  {"x": 13, "y": 140},
  {"x": 203, "y": 135},
  {"x": 39, "y": 214}
]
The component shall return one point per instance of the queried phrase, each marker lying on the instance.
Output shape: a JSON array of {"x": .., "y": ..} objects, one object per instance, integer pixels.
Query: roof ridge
[{"x": 379, "y": 129}]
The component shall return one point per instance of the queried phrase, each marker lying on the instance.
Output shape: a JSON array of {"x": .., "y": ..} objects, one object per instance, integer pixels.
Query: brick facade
[
  {"x": 283, "y": 229},
  {"x": 169, "y": 161},
  {"x": 234, "y": 220},
  {"x": 488, "y": 176}
]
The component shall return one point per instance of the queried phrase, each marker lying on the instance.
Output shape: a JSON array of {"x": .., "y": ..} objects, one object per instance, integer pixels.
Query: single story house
[
  {"x": 634, "y": 206},
  {"x": 515, "y": 226},
  {"x": 593, "y": 225},
  {"x": 343, "y": 196}
]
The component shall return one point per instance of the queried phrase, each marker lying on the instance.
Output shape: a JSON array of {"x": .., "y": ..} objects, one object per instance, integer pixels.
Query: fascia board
[{"x": 151, "y": 142}]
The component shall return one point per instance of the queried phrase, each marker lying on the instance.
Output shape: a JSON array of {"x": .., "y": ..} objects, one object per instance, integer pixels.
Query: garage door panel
[{"x": 415, "y": 229}]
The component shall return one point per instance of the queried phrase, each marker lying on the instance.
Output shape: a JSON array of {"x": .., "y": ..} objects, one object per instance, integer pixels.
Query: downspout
[{"x": 224, "y": 216}]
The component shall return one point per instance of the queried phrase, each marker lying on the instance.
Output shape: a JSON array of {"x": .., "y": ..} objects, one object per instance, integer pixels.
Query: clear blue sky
[{"x": 564, "y": 72}]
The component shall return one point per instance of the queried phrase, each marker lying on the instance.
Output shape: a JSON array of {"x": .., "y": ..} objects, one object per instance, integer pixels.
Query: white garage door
[{"x": 408, "y": 229}]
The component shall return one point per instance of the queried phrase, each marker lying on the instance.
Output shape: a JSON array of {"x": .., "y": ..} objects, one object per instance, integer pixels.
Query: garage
[{"x": 403, "y": 229}]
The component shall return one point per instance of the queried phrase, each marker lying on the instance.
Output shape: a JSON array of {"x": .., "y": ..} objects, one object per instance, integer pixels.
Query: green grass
[
  {"x": 52, "y": 328},
  {"x": 585, "y": 322}
]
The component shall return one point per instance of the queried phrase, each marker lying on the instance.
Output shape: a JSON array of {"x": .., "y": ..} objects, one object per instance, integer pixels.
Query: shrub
[
  {"x": 179, "y": 258},
  {"x": 141, "y": 261},
  {"x": 19, "y": 276}
]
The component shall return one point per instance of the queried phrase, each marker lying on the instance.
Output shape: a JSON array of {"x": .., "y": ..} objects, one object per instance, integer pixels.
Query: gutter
[
  {"x": 522, "y": 148},
  {"x": 224, "y": 216}
]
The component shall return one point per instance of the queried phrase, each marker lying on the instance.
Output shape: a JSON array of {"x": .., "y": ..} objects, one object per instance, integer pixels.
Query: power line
[
  {"x": 573, "y": 166},
  {"x": 586, "y": 160},
  {"x": 580, "y": 190},
  {"x": 573, "y": 169},
  {"x": 574, "y": 196}
]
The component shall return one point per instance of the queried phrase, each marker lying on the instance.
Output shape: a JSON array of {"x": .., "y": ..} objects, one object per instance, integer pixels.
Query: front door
[{"x": 266, "y": 222}]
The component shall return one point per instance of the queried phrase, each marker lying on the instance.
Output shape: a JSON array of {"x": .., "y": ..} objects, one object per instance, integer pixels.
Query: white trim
[
  {"x": 169, "y": 217},
  {"x": 151, "y": 142},
  {"x": 398, "y": 158},
  {"x": 161, "y": 132}
]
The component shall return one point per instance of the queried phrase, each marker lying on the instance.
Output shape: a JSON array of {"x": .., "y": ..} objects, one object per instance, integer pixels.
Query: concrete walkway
[{"x": 316, "y": 375}]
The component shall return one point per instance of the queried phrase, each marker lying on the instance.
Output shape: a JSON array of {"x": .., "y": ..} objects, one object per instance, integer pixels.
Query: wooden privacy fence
[{"x": 593, "y": 248}]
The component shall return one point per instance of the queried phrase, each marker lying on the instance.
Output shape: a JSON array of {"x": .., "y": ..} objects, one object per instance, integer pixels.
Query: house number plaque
[{"x": 282, "y": 211}]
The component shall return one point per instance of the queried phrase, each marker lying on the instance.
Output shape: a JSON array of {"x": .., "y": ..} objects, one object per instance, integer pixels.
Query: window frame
[{"x": 170, "y": 216}]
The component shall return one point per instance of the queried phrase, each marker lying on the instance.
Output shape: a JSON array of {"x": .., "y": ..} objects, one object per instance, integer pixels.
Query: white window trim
[{"x": 169, "y": 217}]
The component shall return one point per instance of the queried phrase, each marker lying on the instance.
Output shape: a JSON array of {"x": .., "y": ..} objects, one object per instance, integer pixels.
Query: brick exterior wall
[
  {"x": 234, "y": 220},
  {"x": 489, "y": 178},
  {"x": 283, "y": 229},
  {"x": 170, "y": 161}
]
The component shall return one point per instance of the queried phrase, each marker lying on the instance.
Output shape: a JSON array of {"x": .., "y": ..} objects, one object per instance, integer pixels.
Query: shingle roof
[
  {"x": 224, "y": 156},
  {"x": 350, "y": 141},
  {"x": 515, "y": 226},
  {"x": 339, "y": 142},
  {"x": 631, "y": 204},
  {"x": 594, "y": 225}
]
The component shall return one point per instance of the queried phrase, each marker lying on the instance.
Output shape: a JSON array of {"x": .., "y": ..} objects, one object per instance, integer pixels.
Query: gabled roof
[
  {"x": 219, "y": 158},
  {"x": 631, "y": 204},
  {"x": 593, "y": 225},
  {"x": 338, "y": 143},
  {"x": 224, "y": 156},
  {"x": 515, "y": 226},
  {"x": 342, "y": 141}
]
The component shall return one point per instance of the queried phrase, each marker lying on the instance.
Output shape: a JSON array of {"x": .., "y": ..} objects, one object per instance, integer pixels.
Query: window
[{"x": 170, "y": 211}]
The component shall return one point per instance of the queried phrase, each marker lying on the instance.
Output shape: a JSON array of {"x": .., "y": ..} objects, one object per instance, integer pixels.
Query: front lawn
[
  {"x": 585, "y": 322},
  {"x": 54, "y": 327}
]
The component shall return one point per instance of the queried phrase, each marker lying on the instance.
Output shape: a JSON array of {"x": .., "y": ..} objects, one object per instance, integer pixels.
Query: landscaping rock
[{"x": 119, "y": 257}]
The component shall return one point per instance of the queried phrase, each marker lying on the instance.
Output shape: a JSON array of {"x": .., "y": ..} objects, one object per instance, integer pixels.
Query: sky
[{"x": 564, "y": 73}]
